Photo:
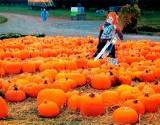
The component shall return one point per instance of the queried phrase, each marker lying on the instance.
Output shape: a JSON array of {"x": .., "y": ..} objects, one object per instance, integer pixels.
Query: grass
[
  {"x": 59, "y": 13},
  {"x": 3, "y": 19},
  {"x": 150, "y": 19}
]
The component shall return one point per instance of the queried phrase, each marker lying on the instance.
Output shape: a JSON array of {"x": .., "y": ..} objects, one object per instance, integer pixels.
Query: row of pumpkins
[
  {"x": 130, "y": 102},
  {"x": 67, "y": 64}
]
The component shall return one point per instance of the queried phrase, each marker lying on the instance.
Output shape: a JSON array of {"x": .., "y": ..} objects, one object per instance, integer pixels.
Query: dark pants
[{"x": 101, "y": 44}]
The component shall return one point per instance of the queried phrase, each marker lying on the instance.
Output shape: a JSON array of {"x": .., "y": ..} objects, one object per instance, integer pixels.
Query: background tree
[{"x": 129, "y": 17}]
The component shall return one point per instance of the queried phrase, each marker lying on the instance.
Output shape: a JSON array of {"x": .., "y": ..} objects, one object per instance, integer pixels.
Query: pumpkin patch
[{"x": 58, "y": 76}]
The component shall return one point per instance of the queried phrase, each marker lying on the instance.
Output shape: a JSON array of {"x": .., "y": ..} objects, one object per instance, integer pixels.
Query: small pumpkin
[
  {"x": 29, "y": 67},
  {"x": 110, "y": 98},
  {"x": 3, "y": 108},
  {"x": 136, "y": 105},
  {"x": 92, "y": 105},
  {"x": 150, "y": 101},
  {"x": 100, "y": 81},
  {"x": 15, "y": 95},
  {"x": 64, "y": 84},
  {"x": 125, "y": 115},
  {"x": 48, "y": 109},
  {"x": 56, "y": 95},
  {"x": 73, "y": 102}
]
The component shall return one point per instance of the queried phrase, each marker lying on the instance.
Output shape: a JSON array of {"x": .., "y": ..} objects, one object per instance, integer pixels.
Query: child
[
  {"x": 44, "y": 14},
  {"x": 107, "y": 31}
]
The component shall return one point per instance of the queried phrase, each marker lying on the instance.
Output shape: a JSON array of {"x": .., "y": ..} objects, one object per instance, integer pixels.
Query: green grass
[
  {"x": 59, "y": 13},
  {"x": 3, "y": 19},
  {"x": 151, "y": 18}
]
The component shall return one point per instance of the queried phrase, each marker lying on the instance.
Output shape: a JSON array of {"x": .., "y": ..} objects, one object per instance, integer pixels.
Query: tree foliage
[{"x": 129, "y": 17}]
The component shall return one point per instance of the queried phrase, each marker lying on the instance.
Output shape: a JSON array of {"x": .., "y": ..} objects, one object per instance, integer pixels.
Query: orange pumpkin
[
  {"x": 55, "y": 95},
  {"x": 136, "y": 105},
  {"x": 125, "y": 115},
  {"x": 91, "y": 105},
  {"x": 100, "y": 81},
  {"x": 29, "y": 67},
  {"x": 3, "y": 108},
  {"x": 12, "y": 67},
  {"x": 32, "y": 89},
  {"x": 48, "y": 109},
  {"x": 73, "y": 102},
  {"x": 64, "y": 84},
  {"x": 15, "y": 95},
  {"x": 110, "y": 98},
  {"x": 150, "y": 102}
]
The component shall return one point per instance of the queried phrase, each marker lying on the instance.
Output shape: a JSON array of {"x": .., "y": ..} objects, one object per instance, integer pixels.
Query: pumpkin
[
  {"x": 137, "y": 105},
  {"x": 81, "y": 63},
  {"x": 56, "y": 95},
  {"x": 50, "y": 74},
  {"x": 32, "y": 89},
  {"x": 110, "y": 98},
  {"x": 148, "y": 89},
  {"x": 147, "y": 76},
  {"x": 73, "y": 102},
  {"x": 150, "y": 102},
  {"x": 124, "y": 87},
  {"x": 125, "y": 95},
  {"x": 29, "y": 66},
  {"x": 70, "y": 65},
  {"x": 12, "y": 67},
  {"x": 79, "y": 78},
  {"x": 48, "y": 109},
  {"x": 100, "y": 81},
  {"x": 92, "y": 105},
  {"x": 3, "y": 108},
  {"x": 93, "y": 64},
  {"x": 125, "y": 115},
  {"x": 125, "y": 79},
  {"x": 64, "y": 84},
  {"x": 156, "y": 86},
  {"x": 15, "y": 95},
  {"x": 70, "y": 93}
]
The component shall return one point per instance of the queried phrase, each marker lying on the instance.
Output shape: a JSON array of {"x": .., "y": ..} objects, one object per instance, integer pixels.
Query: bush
[
  {"x": 129, "y": 18},
  {"x": 16, "y": 35},
  {"x": 3, "y": 19}
]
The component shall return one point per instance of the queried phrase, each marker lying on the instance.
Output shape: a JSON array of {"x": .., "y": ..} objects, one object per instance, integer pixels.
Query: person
[
  {"x": 44, "y": 15},
  {"x": 106, "y": 33}
]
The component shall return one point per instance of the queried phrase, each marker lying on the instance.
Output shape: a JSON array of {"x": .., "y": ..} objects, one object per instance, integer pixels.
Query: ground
[
  {"x": 24, "y": 24},
  {"x": 25, "y": 113},
  {"x": 149, "y": 18}
]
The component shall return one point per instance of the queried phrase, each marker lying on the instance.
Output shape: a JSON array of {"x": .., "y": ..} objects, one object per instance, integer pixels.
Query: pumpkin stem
[
  {"x": 135, "y": 101},
  {"x": 146, "y": 94},
  {"x": 45, "y": 82},
  {"x": 15, "y": 87},
  {"x": 147, "y": 71},
  {"x": 1, "y": 94},
  {"x": 92, "y": 95},
  {"x": 45, "y": 101},
  {"x": 110, "y": 73},
  {"x": 156, "y": 83}
]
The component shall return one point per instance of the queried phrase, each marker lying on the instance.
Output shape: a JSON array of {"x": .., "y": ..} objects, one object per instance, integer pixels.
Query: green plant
[
  {"x": 3, "y": 19},
  {"x": 129, "y": 17}
]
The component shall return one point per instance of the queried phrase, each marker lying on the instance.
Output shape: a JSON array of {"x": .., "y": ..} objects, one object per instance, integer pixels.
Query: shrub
[{"x": 129, "y": 17}]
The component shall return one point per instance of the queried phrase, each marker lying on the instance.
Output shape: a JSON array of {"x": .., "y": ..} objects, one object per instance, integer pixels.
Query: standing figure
[
  {"x": 107, "y": 32},
  {"x": 44, "y": 15}
]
